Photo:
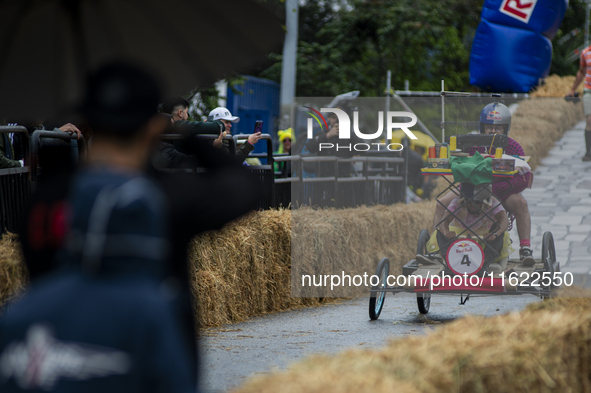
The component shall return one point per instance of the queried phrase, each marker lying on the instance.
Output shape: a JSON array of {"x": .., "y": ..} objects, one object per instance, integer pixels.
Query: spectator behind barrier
[
  {"x": 177, "y": 107},
  {"x": 224, "y": 115},
  {"x": 286, "y": 138},
  {"x": 7, "y": 154}
]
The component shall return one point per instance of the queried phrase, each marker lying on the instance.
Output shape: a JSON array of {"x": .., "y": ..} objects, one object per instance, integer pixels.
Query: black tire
[
  {"x": 549, "y": 258},
  {"x": 422, "y": 243},
  {"x": 424, "y": 302},
  {"x": 376, "y": 299},
  {"x": 548, "y": 252}
]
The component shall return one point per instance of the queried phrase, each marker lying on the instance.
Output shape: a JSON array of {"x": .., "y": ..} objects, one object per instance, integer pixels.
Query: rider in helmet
[{"x": 495, "y": 118}]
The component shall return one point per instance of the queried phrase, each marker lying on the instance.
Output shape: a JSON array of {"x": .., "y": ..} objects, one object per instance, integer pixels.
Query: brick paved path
[{"x": 560, "y": 202}]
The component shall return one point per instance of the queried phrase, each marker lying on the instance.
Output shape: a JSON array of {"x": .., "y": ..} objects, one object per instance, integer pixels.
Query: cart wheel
[
  {"x": 422, "y": 243},
  {"x": 424, "y": 302},
  {"x": 376, "y": 299},
  {"x": 548, "y": 257},
  {"x": 548, "y": 252}
]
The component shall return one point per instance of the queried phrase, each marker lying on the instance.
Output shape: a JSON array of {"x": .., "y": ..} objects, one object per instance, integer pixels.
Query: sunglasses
[{"x": 286, "y": 140}]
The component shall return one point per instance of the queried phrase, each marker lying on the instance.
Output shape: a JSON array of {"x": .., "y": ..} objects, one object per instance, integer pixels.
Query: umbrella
[
  {"x": 48, "y": 46},
  {"x": 423, "y": 140}
]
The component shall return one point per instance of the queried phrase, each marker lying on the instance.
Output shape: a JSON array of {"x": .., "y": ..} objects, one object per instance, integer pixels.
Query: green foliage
[
  {"x": 351, "y": 46},
  {"x": 574, "y": 18},
  {"x": 206, "y": 99}
]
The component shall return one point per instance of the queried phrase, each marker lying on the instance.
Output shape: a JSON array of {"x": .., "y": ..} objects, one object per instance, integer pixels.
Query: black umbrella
[{"x": 48, "y": 46}]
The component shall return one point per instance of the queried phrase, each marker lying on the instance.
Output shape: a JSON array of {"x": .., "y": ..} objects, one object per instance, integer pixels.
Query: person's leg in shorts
[{"x": 587, "y": 106}]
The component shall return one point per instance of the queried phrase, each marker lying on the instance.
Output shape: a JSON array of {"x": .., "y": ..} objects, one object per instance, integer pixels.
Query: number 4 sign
[
  {"x": 518, "y": 9},
  {"x": 465, "y": 256}
]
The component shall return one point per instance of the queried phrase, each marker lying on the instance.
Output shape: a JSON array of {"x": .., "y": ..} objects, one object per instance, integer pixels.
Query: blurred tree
[
  {"x": 204, "y": 100},
  {"x": 350, "y": 45},
  {"x": 570, "y": 37}
]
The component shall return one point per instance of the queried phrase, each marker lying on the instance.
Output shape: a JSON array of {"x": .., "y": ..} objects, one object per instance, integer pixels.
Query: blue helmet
[{"x": 496, "y": 113}]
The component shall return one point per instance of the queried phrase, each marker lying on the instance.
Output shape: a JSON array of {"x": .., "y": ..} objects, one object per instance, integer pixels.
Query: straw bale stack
[
  {"x": 331, "y": 241},
  {"x": 530, "y": 351},
  {"x": 246, "y": 268},
  {"x": 243, "y": 269},
  {"x": 556, "y": 86},
  {"x": 539, "y": 122},
  {"x": 13, "y": 274}
]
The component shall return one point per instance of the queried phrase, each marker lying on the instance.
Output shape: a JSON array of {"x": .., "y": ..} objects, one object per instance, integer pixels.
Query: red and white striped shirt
[{"x": 586, "y": 61}]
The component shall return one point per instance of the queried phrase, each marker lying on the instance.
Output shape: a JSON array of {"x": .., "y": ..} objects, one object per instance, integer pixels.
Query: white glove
[{"x": 22, "y": 162}]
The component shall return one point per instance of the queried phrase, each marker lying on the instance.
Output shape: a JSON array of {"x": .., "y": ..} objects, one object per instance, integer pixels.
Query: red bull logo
[
  {"x": 463, "y": 248},
  {"x": 518, "y": 9},
  {"x": 494, "y": 115}
]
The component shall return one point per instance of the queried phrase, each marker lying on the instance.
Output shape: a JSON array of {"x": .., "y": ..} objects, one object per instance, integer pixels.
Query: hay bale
[
  {"x": 13, "y": 274},
  {"x": 556, "y": 86},
  {"x": 541, "y": 351},
  {"x": 246, "y": 269},
  {"x": 332, "y": 241},
  {"x": 539, "y": 122},
  {"x": 243, "y": 270}
]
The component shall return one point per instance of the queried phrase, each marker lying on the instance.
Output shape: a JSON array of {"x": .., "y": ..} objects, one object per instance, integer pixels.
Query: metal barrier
[
  {"x": 15, "y": 185},
  {"x": 77, "y": 148},
  {"x": 382, "y": 181},
  {"x": 265, "y": 172},
  {"x": 284, "y": 186}
]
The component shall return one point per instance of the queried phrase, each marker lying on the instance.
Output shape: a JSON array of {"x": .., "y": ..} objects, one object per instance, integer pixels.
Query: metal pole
[
  {"x": 388, "y": 90},
  {"x": 587, "y": 23},
  {"x": 288, "y": 69},
  {"x": 442, "y": 112}
]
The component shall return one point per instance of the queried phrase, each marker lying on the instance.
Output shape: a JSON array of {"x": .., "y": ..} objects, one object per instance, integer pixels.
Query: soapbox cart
[{"x": 461, "y": 271}]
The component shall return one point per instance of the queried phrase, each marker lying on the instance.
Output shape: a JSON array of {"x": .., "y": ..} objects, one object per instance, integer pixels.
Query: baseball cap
[
  {"x": 221, "y": 113},
  {"x": 120, "y": 98}
]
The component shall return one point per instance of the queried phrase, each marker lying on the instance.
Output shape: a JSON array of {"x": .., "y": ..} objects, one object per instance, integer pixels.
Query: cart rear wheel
[
  {"x": 422, "y": 243},
  {"x": 548, "y": 252},
  {"x": 549, "y": 258},
  {"x": 424, "y": 302},
  {"x": 376, "y": 299}
]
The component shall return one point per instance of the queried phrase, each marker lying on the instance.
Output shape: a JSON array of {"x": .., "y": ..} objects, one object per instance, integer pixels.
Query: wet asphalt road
[{"x": 234, "y": 352}]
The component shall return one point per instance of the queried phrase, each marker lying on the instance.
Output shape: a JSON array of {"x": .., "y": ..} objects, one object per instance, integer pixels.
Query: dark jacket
[
  {"x": 112, "y": 334},
  {"x": 7, "y": 154},
  {"x": 215, "y": 127}
]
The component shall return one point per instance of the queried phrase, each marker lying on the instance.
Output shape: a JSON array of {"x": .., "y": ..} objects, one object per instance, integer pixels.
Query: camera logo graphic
[{"x": 345, "y": 123}]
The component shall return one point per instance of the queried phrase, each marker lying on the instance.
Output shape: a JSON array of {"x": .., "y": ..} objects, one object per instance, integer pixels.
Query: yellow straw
[{"x": 491, "y": 144}]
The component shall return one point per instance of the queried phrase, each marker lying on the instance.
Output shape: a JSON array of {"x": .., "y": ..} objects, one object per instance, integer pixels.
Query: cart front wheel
[
  {"x": 376, "y": 299},
  {"x": 424, "y": 302}
]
